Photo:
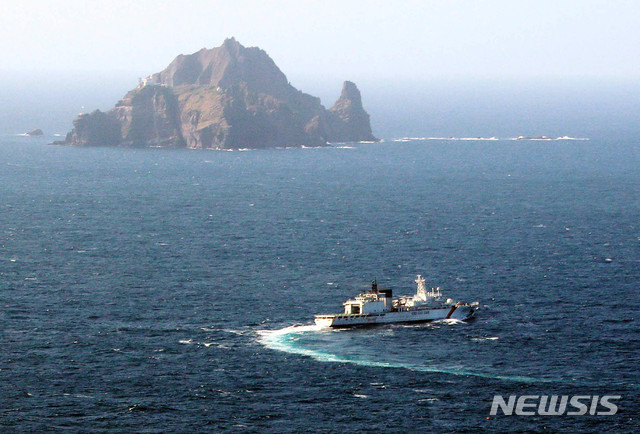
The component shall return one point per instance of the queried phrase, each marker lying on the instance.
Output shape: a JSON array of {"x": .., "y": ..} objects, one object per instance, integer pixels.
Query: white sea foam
[
  {"x": 235, "y": 332},
  {"x": 478, "y": 139},
  {"x": 285, "y": 340},
  {"x": 428, "y": 399},
  {"x": 547, "y": 138},
  {"x": 572, "y": 138},
  {"x": 488, "y": 139},
  {"x": 467, "y": 139},
  {"x": 202, "y": 344},
  {"x": 450, "y": 321}
]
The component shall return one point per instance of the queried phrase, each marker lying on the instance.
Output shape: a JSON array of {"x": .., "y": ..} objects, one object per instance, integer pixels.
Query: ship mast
[{"x": 421, "y": 293}]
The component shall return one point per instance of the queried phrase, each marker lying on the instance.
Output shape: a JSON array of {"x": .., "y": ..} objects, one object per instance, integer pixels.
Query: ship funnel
[{"x": 388, "y": 298}]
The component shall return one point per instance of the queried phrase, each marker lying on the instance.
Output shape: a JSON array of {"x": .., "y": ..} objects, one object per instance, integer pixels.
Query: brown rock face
[
  {"x": 148, "y": 117},
  {"x": 348, "y": 120},
  {"x": 226, "y": 97},
  {"x": 94, "y": 129}
]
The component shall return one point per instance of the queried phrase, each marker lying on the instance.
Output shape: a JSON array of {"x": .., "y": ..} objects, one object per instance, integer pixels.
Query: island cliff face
[{"x": 223, "y": 98}]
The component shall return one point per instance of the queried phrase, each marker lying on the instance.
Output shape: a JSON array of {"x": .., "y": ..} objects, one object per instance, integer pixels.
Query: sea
[{"x": 155, "y": 290}]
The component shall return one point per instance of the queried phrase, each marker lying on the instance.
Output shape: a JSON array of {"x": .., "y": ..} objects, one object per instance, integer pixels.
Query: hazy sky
[{"x": 384, "y": 39}]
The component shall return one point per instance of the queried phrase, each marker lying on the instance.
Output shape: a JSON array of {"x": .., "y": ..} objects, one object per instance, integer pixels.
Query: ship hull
[{"x": 409, "y": 316}]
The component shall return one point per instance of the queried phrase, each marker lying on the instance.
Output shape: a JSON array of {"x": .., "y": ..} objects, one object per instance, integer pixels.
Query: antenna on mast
[{"x": 421, "y": 293}]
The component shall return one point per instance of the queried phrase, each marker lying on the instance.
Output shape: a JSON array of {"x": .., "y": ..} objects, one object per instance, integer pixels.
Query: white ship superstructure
[{"x": 379, "y": 307}]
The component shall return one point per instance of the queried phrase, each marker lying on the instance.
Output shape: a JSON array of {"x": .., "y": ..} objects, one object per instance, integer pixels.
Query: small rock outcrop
[
  {"x": 348, "y": 120},
  {"x": 36, "y": 132},
  {"x": 226, "y": 97}
]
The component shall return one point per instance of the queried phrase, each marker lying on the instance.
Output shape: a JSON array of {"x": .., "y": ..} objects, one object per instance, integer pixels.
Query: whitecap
[
  {"x": 235, "y": 332},
  {"x": 450, "y": 321},
  {"x": 428, "y": 399}
]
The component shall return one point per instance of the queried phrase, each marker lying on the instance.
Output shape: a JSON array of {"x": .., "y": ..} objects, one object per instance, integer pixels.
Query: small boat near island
[{"x": 378, "y": 306}]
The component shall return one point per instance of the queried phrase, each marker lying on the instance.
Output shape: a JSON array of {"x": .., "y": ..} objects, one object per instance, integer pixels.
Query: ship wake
[{"x": 327, "y": 345}]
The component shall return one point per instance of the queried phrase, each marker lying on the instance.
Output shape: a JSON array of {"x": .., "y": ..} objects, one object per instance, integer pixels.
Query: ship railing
[{"x": 347, "y": 315}]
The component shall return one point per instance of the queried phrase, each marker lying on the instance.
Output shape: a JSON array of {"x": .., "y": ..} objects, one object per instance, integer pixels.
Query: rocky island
[
  {"x": 36, "y": 132},
  {"x": 227, "y": 97}
]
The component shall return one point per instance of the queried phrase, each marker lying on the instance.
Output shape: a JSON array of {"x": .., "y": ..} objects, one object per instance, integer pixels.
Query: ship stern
[{"x": 324, "y": 320}]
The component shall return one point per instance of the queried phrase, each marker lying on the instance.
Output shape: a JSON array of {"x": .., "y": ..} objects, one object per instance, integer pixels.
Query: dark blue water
[{"x": 170, "y": 290}]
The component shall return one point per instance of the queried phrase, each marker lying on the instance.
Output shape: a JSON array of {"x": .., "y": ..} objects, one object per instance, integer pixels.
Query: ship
[{"x": 378, "y": 306}]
